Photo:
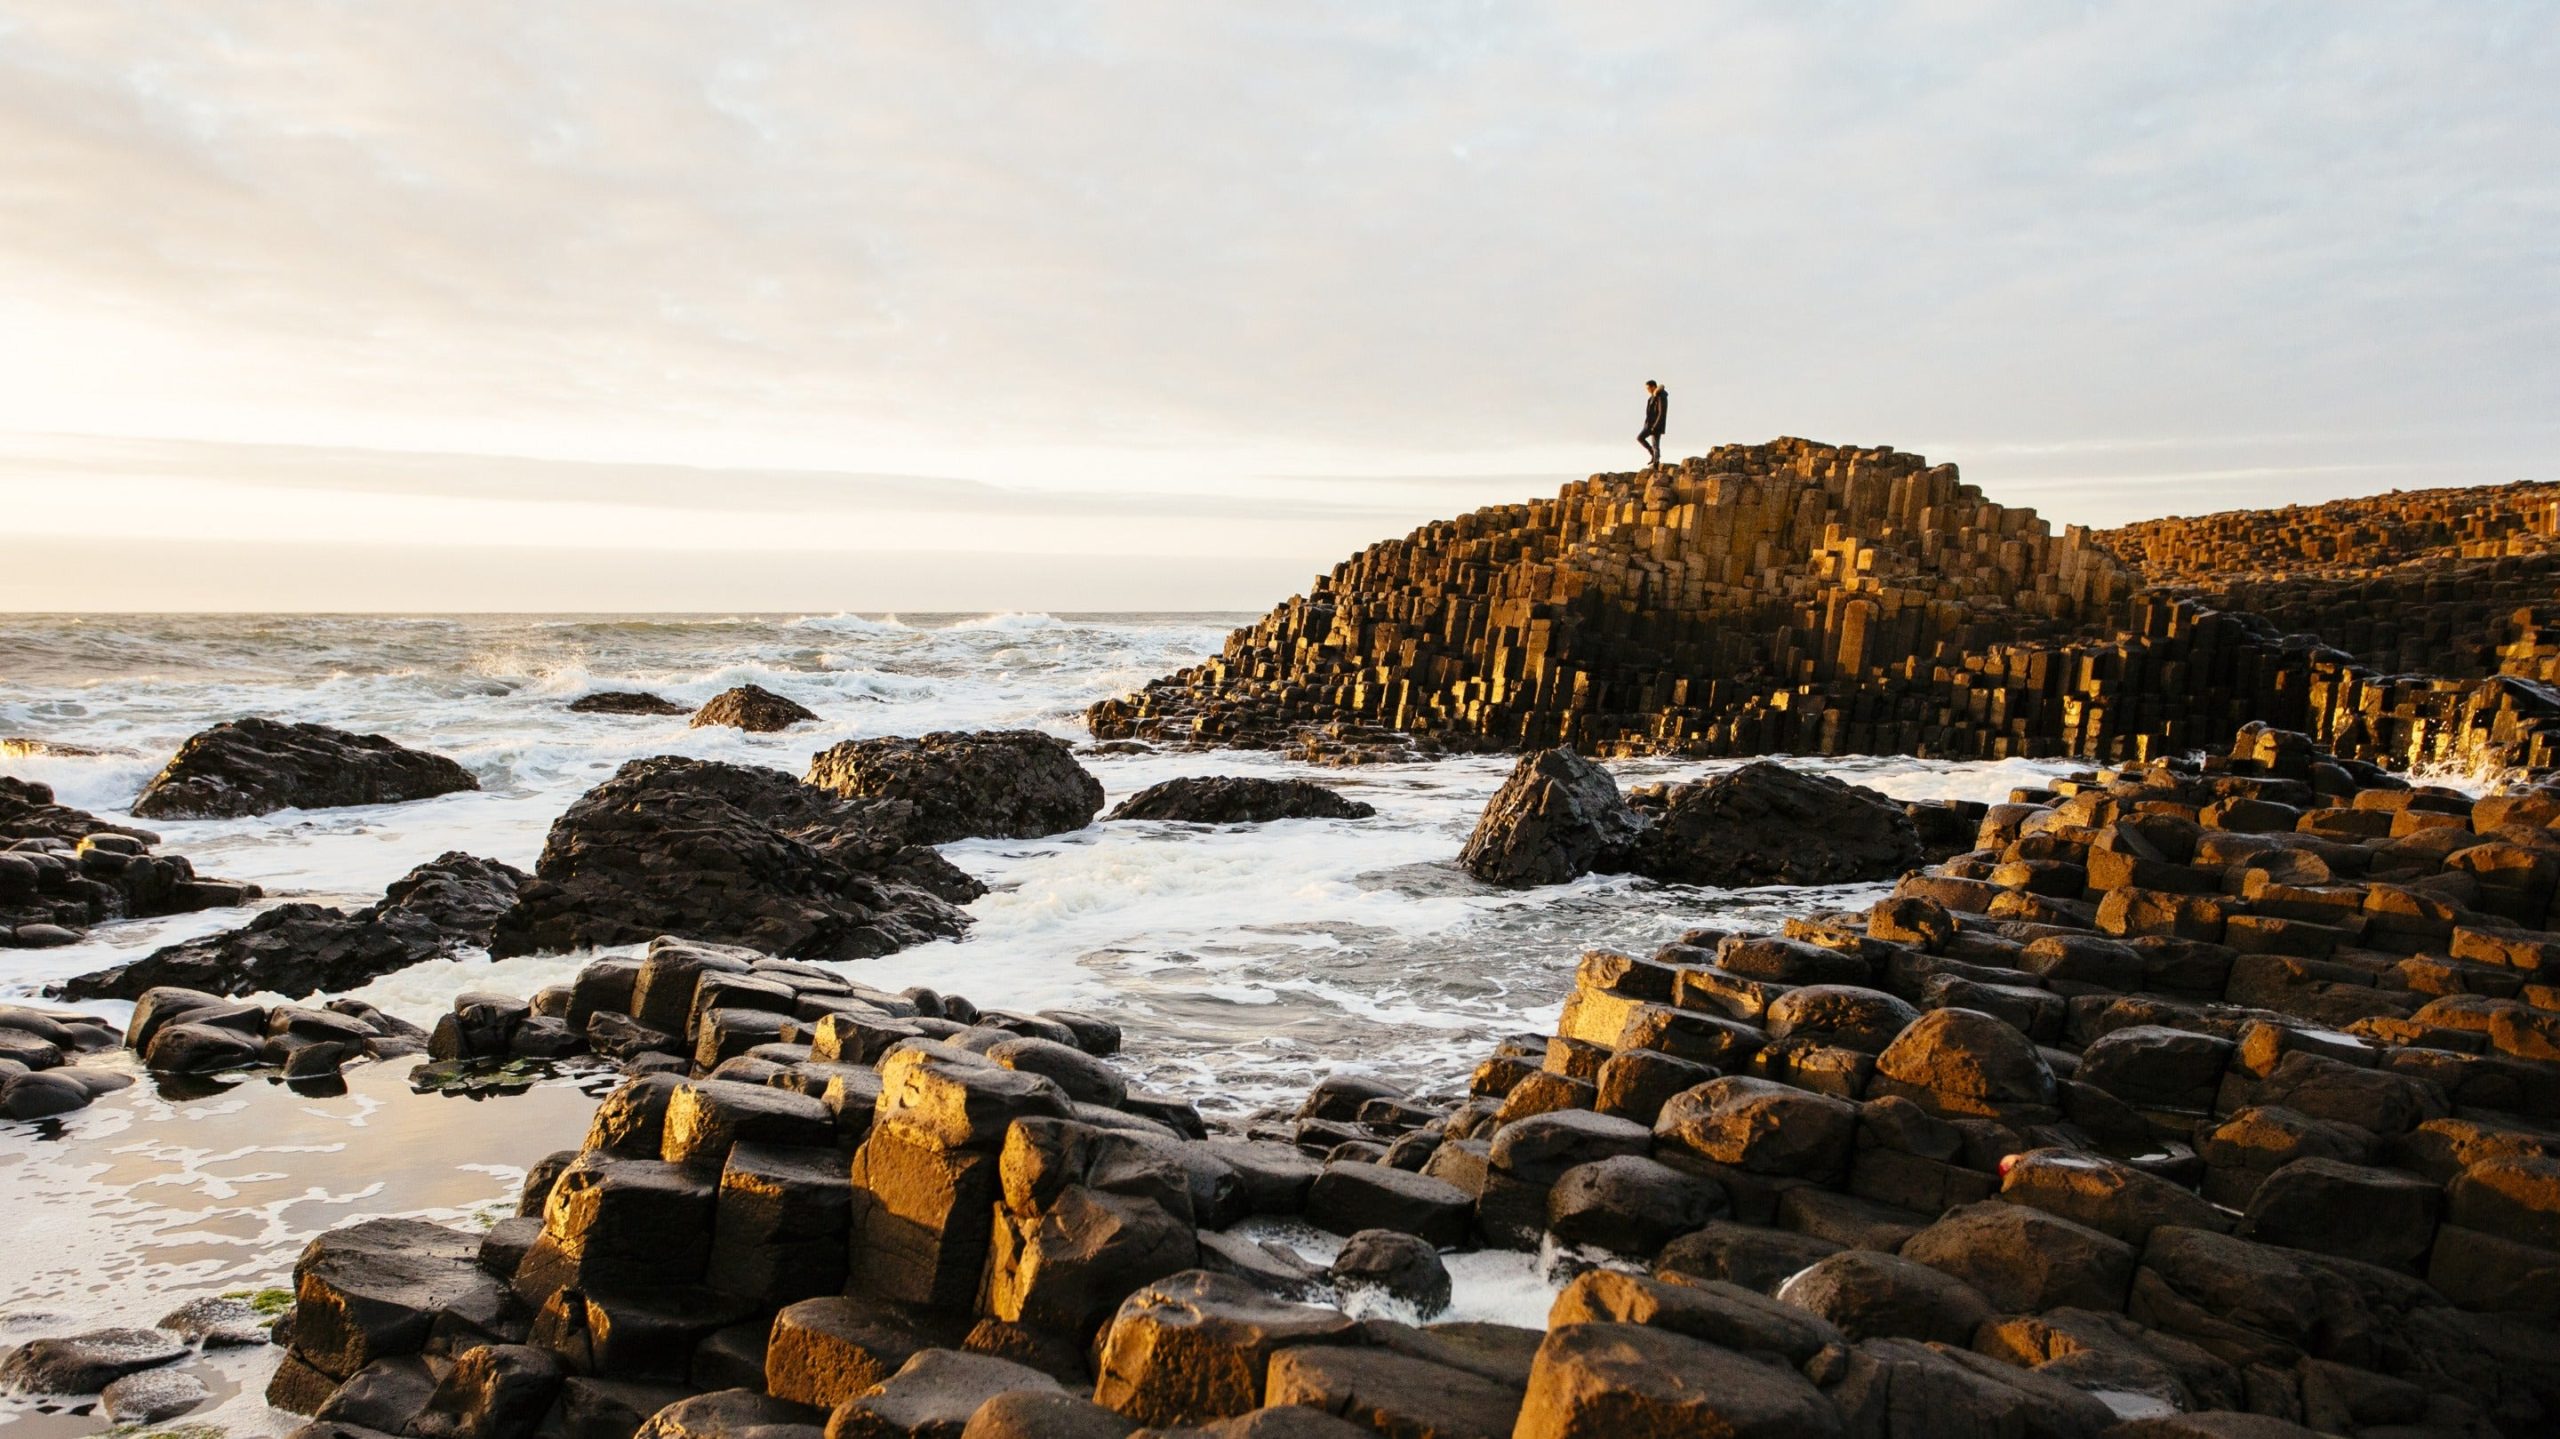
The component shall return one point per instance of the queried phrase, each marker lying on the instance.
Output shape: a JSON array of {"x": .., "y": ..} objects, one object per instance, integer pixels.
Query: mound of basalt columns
[
  {"x": 752, "y": 708},
  {"x": 997, "y": 784},
  {"x": 257, "y": 766},
  {"x": 448, "y": 904},
  {"x": 63, "y": 870},
  {"x": 1560, "y": 816},
  {"x": 2449, "y": 582},
  {"x": 2206, "y": 1099},
  {"x": 1803, "y": 598},
  {"x": 189, "y": 1032},
  {"x": 1238, "y": 799}
]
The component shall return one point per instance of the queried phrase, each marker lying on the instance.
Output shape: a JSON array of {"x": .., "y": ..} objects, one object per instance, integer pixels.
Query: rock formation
[
  {"x": 625, "y": 702},
  {"x": 1560, "y": 816},
  {"x": 40, "y": 1073},
  {"x": 257, "y": 766},
  {"x": 2218, "y": 1098},
  {"x": 63, "y": 870},
  {"x": 1811, "y": 599},
  {"x": 2455, "y": 582},
  {"x": 734, "y": 854},
  {"x": 447, "y": 904},
  {"x": 1238, "y": 799},
  {"x": 993, "y": 784},
  {"x": 752, "y": 708}
]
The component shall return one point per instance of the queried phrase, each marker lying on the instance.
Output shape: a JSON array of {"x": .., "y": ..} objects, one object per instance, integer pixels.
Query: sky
[{"x": 625, "y": 304}]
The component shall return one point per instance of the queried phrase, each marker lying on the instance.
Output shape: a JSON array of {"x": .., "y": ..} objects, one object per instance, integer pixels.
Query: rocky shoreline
[
  {"x": 2215, "y": 1099},
  {"x": 2212, "y": 1092}
]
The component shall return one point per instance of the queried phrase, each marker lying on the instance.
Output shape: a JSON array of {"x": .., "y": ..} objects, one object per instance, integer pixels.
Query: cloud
[{"x": 951, "y": 257}]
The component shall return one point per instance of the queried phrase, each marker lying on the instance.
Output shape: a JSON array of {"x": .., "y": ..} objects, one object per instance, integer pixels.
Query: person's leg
[{"x": 1652, "y": 448}]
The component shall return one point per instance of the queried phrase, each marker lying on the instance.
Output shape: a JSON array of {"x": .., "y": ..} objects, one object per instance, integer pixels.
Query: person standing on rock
[{"x": 1657, "y": 410}]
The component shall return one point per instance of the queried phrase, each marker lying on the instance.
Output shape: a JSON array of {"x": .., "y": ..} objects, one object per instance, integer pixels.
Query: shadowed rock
[
  {"x": 450, "y": 903},
  {"x": 1238, "y": 799},
  {"x": 256, "y": 766},
  {"x": 991, "y": 784},
  {"x": 732, "y": 854}
]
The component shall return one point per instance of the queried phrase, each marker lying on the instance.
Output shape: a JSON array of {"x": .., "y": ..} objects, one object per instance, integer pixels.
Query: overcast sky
[{"x": 733, "y": 305}]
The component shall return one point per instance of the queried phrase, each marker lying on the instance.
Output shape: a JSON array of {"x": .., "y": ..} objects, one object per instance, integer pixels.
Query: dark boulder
[
  {"x": 734, "y": 854},
  {"x": 1396, "y": 1264},
  {"x": 1768, "y": 824},
  {"x": 625, "y": 702},
  {"x": 752, "y": 708},
  {"x": 257, "y": 766},
  {"x": 449, "y": 903},
  {"x": 1238, "y": 799},
  {"x": 986, "y": 784},
  {"x": 28, "y": 811},
  {"x": 87, "y": 1363},
  {"x": 1558, "y": 816}
]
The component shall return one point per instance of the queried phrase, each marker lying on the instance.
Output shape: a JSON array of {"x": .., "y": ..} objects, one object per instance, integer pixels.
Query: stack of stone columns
[{"x": 1812, "y": 599}]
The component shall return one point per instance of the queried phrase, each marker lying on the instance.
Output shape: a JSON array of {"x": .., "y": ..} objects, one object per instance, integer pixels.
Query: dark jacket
[{"x": 1657, "y": 408}]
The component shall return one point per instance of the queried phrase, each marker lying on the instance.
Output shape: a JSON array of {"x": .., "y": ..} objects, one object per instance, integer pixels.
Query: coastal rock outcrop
[
  {"x": 1939, "y": 1166},
  {"x": 1766, "y": 823},
  {"x": 40, "y": 1050},
  {"x": 968, "y": 784},
  {"x": 752, "y": 708},
  {"x": 63, "y": 870},
  {"x": 1560, "y": 816},
  {"x": 257, "y": 766},
  {"x": 734, "y": 854},
  {"x": 1802, "y": 598},
  {"x": 448, "y": 904},
  {"x": 1238, "y": 799},
  {"x": 625, "y": 702}
]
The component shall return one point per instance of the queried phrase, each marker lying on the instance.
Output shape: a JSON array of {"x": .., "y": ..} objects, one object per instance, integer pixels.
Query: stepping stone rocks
[
  {"x": 373, "y": 1290},
  {"x": 1603, "y": 1381},
  {"x": 2025, "y": 1260},
  {"x": 1197, "y": 1347},
  {"x": 932, "y": 1395},
  {"x": 1350, "y": 1197},
  {"x": 1959, "y": 1062},
  {"x": 1871, "y": 1295}
]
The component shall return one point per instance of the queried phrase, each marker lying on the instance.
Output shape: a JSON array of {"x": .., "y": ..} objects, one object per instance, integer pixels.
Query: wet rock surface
[
  {"x": 1560, "y": 816},
  {"x": 983, "y": 784},
  {"x": 625, "y": 702},
  {"x": 734, "y": 854},
  {"x": 448, "y": 904},
  {"x": 257, "y": 766},
  {"x": 63, "y": 870},
  {"x": 1238, "y": 799}
]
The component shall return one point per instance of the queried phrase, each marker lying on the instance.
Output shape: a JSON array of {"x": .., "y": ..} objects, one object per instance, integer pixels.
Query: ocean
[{"x": 1242, "y": 963}]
